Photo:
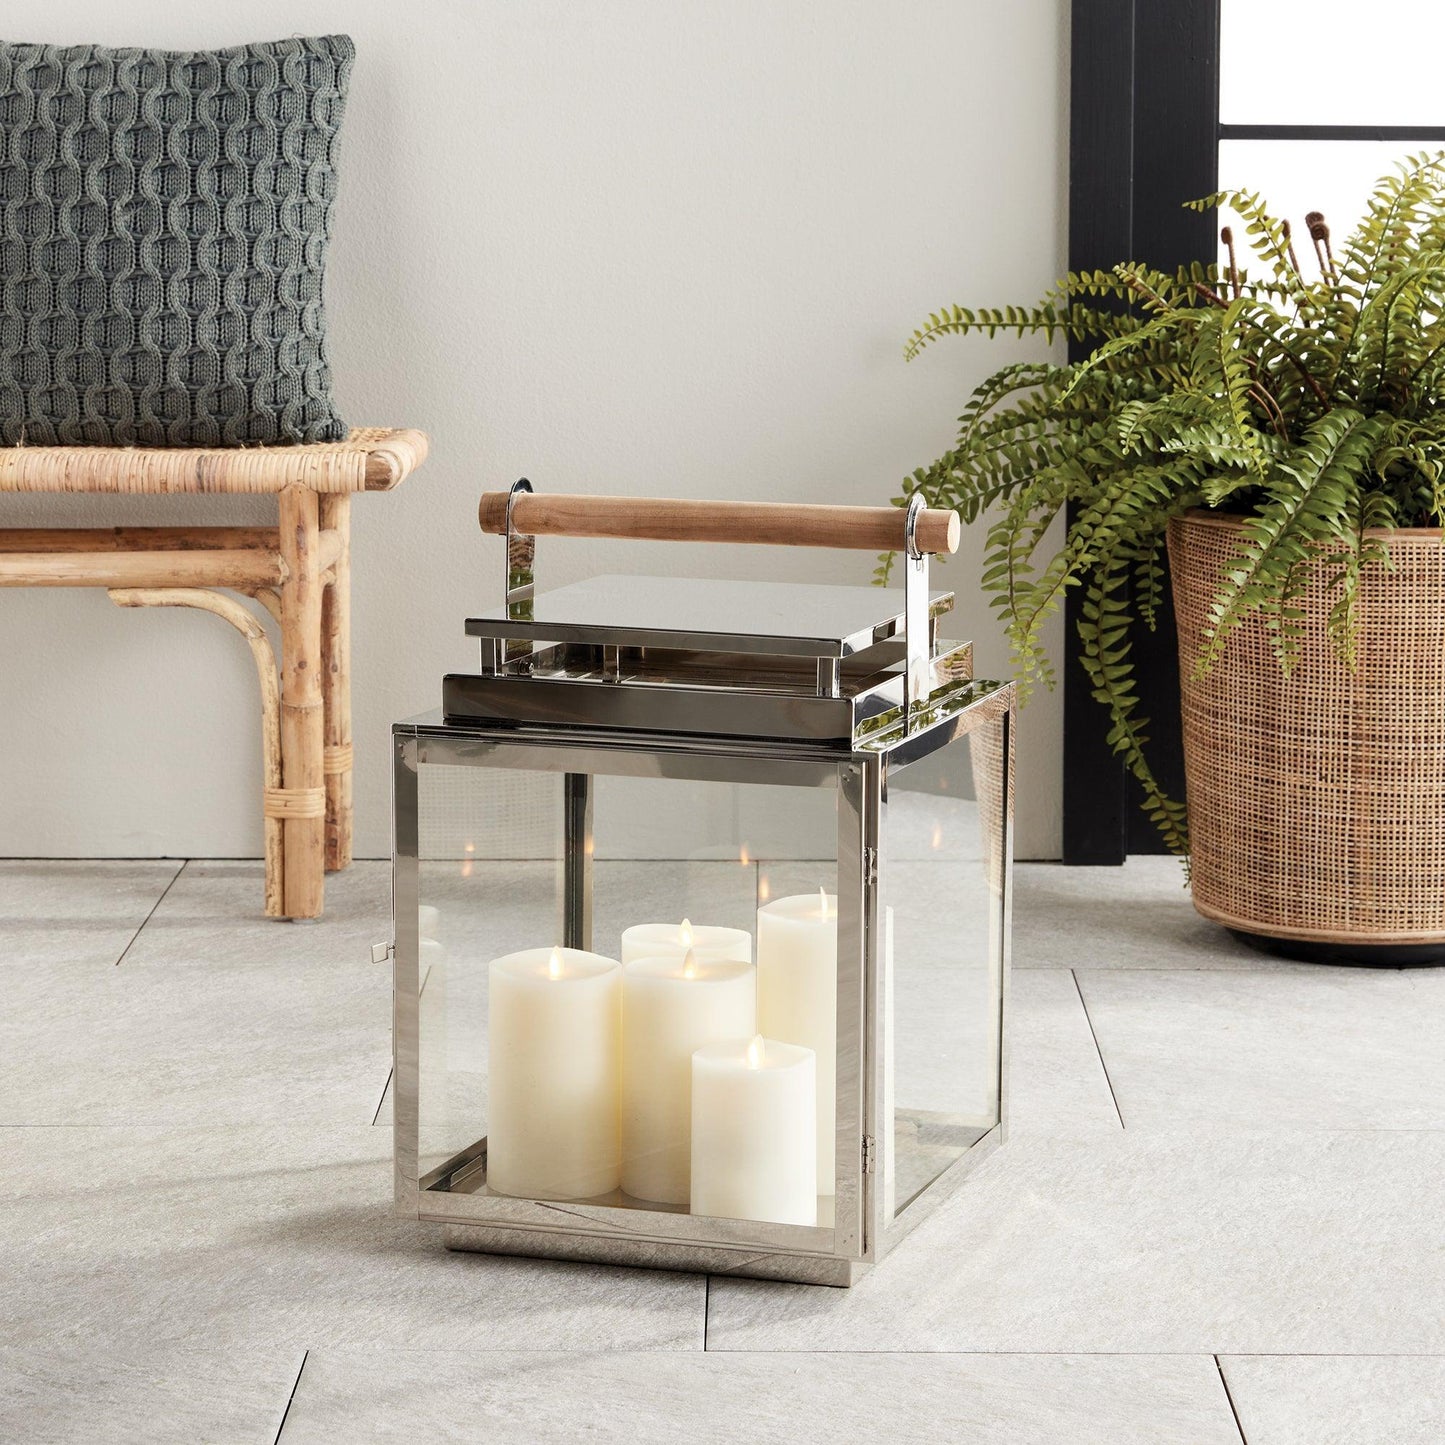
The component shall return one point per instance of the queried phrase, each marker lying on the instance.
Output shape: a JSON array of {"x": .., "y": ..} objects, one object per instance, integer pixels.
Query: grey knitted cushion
[{"x": 164, "y": 218}]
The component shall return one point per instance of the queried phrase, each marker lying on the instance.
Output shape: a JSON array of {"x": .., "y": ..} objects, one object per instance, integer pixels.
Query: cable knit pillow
[{"x": 164, "y": 218}]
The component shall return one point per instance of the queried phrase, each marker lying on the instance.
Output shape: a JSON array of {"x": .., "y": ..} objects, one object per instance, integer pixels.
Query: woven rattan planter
[{"x": 1317, "y": 801}]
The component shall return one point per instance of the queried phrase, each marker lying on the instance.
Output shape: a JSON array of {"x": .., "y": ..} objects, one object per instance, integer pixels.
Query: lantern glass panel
[
  {"x": 511, "y": 858},
  {"x": 490, "y": 847},
  {"x": 941, "y": 926}
]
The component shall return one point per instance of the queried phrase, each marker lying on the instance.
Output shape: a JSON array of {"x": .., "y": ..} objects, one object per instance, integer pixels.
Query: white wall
[{"x": 646, "y": 246}]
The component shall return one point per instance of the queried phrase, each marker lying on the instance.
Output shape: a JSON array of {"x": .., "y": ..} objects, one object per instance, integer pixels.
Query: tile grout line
[
  {"x": 706, "y": 1307},
  {"x": 1230, "y": 1399},
  {"x": 185, "y": 863},
  {"x": 1078, "y": 989},
  {"x": 305, "y": 1355},
  {"x": 377, "y": 1113}
]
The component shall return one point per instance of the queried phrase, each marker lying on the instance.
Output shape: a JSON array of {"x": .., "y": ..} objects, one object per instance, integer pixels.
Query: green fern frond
[
  {"x": 1309, "y": 504},
  {"x": 1309, "y": 399}
]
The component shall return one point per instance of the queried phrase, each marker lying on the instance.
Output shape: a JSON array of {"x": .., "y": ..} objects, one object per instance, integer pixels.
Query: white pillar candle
[
  {"x": 798, "y": 997},
  {"x": 670, "y": 1008},
  {"x": 754, "y": 1119},
  {"x": 553, "y": 1027},
  {"x": 673, "y": 940}
]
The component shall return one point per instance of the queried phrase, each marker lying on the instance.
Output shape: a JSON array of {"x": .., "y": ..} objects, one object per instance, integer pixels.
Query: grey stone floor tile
[
  {"x": 152, "y": 1042},
  {"x": 213, "y": 915},
  {"x": 1142, "y": 1243},
  {"x": 144, "y": 1397},
  {"x": 63, "y": 911},
  {"x": 1333, "y": 1400},
  {"x": 1135, "y": 916},
  {"x": 1313, "y": 1048},
  {"x": 216, "y": 1014},
  {"x": 1057, "y": 1084},
  {"x": 714, "y": 1399},
  {"x": 246, "y": 1238}
]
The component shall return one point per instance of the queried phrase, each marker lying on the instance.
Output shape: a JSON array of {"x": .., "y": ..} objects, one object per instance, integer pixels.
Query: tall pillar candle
[
  {"x": 553, "y": 1032},
  {"x": 754, "y": 1120},
  {"x": 671, "y": 1007},
  {"x": 673, "y": 940},
  {"x": 798, "y": 998}
]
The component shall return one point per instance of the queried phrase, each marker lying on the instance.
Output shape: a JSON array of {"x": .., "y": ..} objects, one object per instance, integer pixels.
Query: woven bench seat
[{"x": 371, "y": 459}]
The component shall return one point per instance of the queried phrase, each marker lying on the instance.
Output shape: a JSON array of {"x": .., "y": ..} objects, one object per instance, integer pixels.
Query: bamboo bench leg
[
  {"x": 302, "y": 723},
  {"x": 336, "y": 684},
  {"x": 265, "y": 659}
]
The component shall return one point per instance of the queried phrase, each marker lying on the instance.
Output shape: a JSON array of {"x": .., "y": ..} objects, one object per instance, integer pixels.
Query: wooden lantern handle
[{"x": 782, "y": 524}]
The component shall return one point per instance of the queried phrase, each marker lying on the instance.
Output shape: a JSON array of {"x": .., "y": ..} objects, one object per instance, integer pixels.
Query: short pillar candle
[
  {"x": 674, "y": 940},
  {"x": 671, "y": 1007},
  {"x": 553, "y": 1032},
  {"x": 754, "y": 1119},
  {"x": 798, "y": 998}
]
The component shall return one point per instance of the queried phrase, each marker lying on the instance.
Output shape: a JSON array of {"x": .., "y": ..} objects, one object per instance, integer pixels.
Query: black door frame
[{"x": 1143, "y": 140}]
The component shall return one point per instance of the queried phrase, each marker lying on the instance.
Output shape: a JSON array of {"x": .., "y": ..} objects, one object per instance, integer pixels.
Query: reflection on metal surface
[
  {"x": 519, "y": 583},
  {"x": 917, "y": 629},
  {"x": 786, "y": 619}
]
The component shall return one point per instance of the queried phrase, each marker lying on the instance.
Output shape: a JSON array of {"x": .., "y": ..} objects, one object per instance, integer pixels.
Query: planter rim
[{"x": 1232, "y": 521}]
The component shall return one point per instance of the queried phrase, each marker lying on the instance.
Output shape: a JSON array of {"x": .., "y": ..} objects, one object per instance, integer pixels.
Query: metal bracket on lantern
[
  {"x": 519, "y": 589},
  {"x": 917, "y": 625}
]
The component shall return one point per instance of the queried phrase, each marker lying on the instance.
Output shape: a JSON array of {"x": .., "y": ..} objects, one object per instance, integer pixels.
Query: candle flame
[
  {"x": 765, "y": 889},
  {"x": 554, "y": 965},
  {"x": 684, "y": 934},
  {"x": 743, "y": 855},
  {"x": 468, "y": 849},
  {"x": 755, "y": 1052},
  {"x": 822, "y": 902},
  {"x": 937, "y": 840},
  {"x": 689, "y": 965}
]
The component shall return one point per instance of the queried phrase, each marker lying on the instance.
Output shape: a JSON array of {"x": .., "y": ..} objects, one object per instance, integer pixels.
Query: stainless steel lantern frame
[{"x": 551, "y": 699}]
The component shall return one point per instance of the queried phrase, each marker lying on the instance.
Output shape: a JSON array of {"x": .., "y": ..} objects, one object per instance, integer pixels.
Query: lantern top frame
[{"x": 824, "y": 665}]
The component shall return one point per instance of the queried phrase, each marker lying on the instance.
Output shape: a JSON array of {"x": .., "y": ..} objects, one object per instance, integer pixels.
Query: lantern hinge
[
  {"x": 382, "y": 952},
  {"x": 870, "y": 865},
  {"x": 868, "y": 1154}
]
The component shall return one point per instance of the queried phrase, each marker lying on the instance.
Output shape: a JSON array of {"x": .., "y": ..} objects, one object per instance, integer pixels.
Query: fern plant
[{"x": 1311, "y": 401}]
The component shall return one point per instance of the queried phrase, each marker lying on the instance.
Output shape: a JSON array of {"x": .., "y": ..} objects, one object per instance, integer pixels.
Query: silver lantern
[{"x": 702, "y": 899}]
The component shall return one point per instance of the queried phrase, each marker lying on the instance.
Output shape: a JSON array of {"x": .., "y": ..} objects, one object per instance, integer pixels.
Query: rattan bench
[{"x": 299, "y": 571}]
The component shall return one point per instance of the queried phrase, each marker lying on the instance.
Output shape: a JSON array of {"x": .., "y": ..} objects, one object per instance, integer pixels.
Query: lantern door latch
[
  {"x": 869, "y": 1154},
  {"x": 382, "y": 952}
]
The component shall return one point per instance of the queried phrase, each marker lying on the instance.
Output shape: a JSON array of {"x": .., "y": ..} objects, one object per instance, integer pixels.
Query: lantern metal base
[
  {"x": 649, "y": 1254},
  {"x": 635, "y": 1251}
]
